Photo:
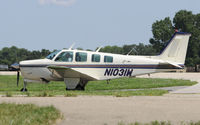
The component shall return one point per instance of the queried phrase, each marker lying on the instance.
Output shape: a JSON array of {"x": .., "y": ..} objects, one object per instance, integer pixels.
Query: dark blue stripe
[{"x": 147, "y": 66}]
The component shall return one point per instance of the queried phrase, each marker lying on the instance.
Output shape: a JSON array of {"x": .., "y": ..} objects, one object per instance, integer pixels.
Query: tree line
[
  {"x": 13, "y": 54},
  {"x": 9, "y": 56},
  {"x": 162, "y": 30}
]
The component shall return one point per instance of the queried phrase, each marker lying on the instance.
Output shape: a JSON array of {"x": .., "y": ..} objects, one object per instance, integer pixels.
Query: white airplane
[{"x": 77, "y": 67}]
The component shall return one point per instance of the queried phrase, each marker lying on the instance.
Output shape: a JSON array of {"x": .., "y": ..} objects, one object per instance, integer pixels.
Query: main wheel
[
  {"x": 24, "y": 90},
  {"x": 79, "y": 87}
]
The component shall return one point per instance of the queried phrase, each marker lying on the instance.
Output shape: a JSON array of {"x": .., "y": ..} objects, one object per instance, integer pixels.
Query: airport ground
[{"x": 177, "y": 106}]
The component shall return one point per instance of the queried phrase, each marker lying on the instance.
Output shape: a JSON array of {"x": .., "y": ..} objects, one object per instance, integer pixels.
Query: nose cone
[{"x": 15, "y": 66}]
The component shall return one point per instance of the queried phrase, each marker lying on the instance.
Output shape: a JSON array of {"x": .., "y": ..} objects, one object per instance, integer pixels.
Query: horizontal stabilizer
[{"x": 173, "y": 64}]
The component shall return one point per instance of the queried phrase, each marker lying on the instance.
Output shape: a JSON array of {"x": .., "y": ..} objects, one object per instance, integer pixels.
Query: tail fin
[{"x": 176, "y": 48}]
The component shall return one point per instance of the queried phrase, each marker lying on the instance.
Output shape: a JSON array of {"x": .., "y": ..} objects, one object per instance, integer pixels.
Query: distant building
[{"x": 3, "y": 67}]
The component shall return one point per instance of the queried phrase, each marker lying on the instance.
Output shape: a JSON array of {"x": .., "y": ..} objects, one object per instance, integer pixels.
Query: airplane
[{"x": 77, "y": 67}]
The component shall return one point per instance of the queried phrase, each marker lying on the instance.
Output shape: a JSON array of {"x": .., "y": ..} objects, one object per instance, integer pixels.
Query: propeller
[
  {"x": 17, "y": 68},
  {"x": 17, "y": 78}
]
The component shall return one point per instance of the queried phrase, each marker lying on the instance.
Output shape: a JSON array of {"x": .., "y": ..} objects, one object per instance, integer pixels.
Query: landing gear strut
[
  {"x": 108, "y": 81},
  {"x": 24, "y": 89}
]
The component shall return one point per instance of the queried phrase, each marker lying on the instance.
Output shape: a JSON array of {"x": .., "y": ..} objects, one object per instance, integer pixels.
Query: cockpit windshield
[{"x": 52, "y": 55}]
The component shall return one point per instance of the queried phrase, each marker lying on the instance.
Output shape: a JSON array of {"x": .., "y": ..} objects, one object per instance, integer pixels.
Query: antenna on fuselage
[
  {"x": 132, "y": 51},
  {"x": 71, "y": 47},
  {"x": 98, "y": 49}
]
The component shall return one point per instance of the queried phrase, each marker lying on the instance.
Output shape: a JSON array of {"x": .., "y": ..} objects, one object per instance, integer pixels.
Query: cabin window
[
  {"x": 95, "y": 58},
  {"x": 81, "y": 57},
  {"x": 65, "y": 57},
  {"x": 108, "y": 59}
]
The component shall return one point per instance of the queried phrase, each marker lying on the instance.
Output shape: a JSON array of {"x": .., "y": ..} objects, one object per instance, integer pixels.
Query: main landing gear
[
  {"x": 71, "y": 84},
  {"x": 75, "y": 83}
]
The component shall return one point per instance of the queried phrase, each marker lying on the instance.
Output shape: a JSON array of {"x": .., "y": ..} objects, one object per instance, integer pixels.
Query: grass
[
  {"x": 8, "y": 87},
  {"x": 8, "y": 94},
  {"x": 137, "y": 83},
  {"x": 27, "y": 114},
  {"x": 161, "y": 123}
]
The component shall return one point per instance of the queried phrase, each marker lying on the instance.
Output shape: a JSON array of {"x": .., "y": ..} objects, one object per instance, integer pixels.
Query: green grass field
[
  {"x": 8, "y": 87},
  {"x": 28, "y": 114}
]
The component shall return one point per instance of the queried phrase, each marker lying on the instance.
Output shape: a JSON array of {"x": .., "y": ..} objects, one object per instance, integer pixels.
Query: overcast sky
[{"x": 56, "y": 24}]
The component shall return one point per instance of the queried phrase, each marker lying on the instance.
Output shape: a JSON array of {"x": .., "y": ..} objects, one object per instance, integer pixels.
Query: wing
[{"x": 66, "y": 72}]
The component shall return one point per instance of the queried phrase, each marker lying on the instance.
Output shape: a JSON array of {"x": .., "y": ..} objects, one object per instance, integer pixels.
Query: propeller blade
[
  {"x": 17, "y": 78},
  {"x": 16, "y": 67}
]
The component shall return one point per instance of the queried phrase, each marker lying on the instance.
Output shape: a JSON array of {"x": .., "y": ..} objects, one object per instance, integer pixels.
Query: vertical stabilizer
[{"x": 176, "y": 49}]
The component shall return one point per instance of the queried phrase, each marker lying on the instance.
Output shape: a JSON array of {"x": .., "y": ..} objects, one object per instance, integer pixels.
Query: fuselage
[{"x": 98, "y": 65}]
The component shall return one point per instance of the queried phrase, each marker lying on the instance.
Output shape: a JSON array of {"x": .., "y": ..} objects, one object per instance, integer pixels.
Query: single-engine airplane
[{"x": 77, "y": 67}]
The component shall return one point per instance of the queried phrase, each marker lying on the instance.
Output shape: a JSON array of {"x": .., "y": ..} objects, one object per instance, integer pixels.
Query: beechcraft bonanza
[{"x": 77, "y": 67}]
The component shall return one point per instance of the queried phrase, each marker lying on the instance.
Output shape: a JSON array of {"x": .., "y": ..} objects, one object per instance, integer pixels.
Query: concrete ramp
[
  {"x": 8, "y": 73},
  {"x": 195, "y": 89}
]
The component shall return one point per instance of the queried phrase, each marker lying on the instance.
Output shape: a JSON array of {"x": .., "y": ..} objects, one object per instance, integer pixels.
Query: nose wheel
[{"x": 24, "y": 89}]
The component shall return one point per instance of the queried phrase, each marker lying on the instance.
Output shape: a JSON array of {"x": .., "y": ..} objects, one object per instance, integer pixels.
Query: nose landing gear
[{"x": 24, "y": 89}]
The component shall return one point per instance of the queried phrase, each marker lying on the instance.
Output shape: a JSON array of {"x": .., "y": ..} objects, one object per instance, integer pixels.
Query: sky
[{"x": 57, "y": 24}]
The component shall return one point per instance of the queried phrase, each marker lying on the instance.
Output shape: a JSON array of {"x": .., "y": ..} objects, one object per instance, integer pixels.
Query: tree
[
  {"x": 13, "y": 54},
  {"x": 112, "y": 49},
  {"x": 44, "y": 53},
  {"x": 162, "y": 31},
  {"x": 184, "y": 21},
  {"x": 79, "y": 48},
  {"x": 139, "y": 49},
  {"x": 130, "y": 49}
]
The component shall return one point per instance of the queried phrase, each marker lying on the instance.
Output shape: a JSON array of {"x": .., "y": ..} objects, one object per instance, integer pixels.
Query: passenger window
[
  {"x": 65, "y": 57},
  {"x": 95, "y": 58},
  {"x": 108, "y": 59},
  {"x": 81, "y": 57}
]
